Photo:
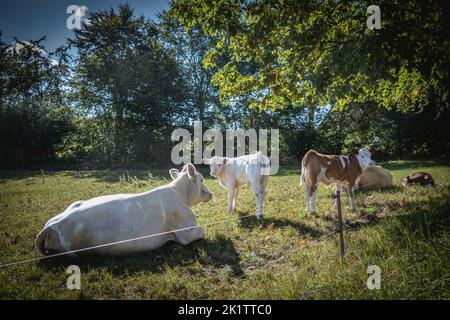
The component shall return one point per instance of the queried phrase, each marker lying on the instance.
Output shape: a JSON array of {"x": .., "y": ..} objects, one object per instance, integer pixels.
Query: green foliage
[
  {"x": 190, "y": 47},
  {"x": 33, "y": 115},
  {"x": 321, "y": 52},
  {"x": 129, "y": 82}
]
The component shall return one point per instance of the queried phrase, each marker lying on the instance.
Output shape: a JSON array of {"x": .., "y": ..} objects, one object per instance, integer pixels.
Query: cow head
[
  {"x": 364, "y": 157},
  {"x": 216, "y": 165},
  {"x": 195, "y": 188},
  {"x": 406, "y": 181}
]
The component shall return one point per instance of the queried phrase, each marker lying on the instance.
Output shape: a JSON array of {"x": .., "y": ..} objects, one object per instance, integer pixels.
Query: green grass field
[{"x": 292, "y": 255}]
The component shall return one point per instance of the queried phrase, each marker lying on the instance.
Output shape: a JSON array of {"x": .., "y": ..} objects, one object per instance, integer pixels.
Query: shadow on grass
[
  {"x": 219, "y": 252},
  {"x": 252, "y": 223},
  {"x": 108, "y": 176},
  {"x": 368, "y": 190},
  {"x": 114, "y": 176},
  {"x": 413, "y": 164},
  {"x": 409, "y": 213}
]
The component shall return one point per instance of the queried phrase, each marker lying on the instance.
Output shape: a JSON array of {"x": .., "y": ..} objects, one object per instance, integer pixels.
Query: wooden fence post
[{"x": 339, "y": 220}]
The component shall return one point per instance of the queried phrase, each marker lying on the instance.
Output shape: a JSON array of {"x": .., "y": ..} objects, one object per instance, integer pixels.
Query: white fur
[
  {"x": 245, "y": 170},
  {"x": 342, "y": 162},
  {"x": 113, "y": 218}
]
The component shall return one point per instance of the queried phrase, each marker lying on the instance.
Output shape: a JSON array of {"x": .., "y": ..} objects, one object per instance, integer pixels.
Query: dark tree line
[{"x": 129, "y": 81}]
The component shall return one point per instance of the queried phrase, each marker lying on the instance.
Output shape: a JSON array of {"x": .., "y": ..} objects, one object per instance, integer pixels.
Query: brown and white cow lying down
[
  {"x": 375, "y": 177},
  {"x": 343, "y": 170},
  {"x": 421, "y": 178},
  {"x": 119, "y": 217}
]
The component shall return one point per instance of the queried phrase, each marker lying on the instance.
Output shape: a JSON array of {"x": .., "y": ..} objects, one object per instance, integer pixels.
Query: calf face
[
  {"x": 197, "y": 191},
  {"x": 216, "y": 165},
  {"x": 364, "y": 158}
]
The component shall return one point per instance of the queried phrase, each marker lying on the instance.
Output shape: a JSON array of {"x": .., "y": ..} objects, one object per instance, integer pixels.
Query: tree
[
  {"x": 127, "y": 79},
  {"x": 190, "y": 47},
  {"x": 34, "y": 117},
  {"x": 316, "y": 53}
]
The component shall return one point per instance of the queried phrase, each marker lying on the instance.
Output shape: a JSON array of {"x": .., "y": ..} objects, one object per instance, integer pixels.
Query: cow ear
[
  {"x": 206, "y": 161},
  {"x": 191, "y": 171},
  {"x": 174, "y": 173}
]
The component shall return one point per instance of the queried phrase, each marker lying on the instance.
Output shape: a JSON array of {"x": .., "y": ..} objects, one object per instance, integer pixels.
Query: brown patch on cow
[{"x": 315, "y": 162}]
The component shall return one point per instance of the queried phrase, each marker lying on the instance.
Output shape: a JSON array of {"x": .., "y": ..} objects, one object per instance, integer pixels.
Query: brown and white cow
[
  {"x": 343, "y": 170},
  {"x": 421, "y": 178}
]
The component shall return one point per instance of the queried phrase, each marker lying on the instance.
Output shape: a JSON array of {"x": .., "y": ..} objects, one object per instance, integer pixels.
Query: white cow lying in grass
[
  {"x": 235, "y": 172},
  {"x": 120, "y": 217}
]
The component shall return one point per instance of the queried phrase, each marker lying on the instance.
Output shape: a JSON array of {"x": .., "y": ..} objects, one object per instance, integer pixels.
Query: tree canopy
[
  {"x": 114, "y": 93},
  {"x": 294, "y": 52}
]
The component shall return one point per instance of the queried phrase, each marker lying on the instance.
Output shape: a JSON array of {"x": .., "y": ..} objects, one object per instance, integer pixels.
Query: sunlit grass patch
[{"x": 292, "y": 255}]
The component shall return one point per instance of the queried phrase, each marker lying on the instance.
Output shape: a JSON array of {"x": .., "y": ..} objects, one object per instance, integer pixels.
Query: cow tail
[
  {"x": 264, "y": 167},
  {"x": 40, "y": 241},
  {"x": 304, "y": 163},
  {"x": 302, "y": 177}
]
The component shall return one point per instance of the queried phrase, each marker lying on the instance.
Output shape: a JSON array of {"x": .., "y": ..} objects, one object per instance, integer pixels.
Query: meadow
[{"x": 291, "y": 255}]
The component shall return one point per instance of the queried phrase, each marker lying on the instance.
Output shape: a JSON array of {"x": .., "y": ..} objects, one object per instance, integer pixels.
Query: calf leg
[
  {"x": 236, "y": 192},
  {"x": 263, "y": 187},
  {"x": 305, "y": 182},
  {"x": 264, "y": 180},
  {"x": 258, "y": 199},
  {"x": 306, "y": 186},
  {"x": 313, "y": 187},
  {"x": 231, "y": 193},
  {"x": 351, "y": 196},
  {"x": 312, "y": 197}
]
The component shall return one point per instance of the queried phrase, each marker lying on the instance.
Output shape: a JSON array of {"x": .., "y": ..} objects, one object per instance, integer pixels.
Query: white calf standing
[{"x": 235, "y": 172}]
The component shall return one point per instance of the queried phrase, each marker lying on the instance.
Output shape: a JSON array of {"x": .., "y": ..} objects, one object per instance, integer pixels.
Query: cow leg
[
  {"x": 186, "y": 237},
  {"x": 351, "y": 196},
  {"x": 258, "y": 199},
  {"x": 312, "y": 197},
  {"x": 236, "y": 192},
  {"x": 306, "y": 186},
  {"x": 263, "y": 187},
  {"x": 187, "y": 220},
  {"x": 313, "y": 187},
  {"x": 231, "y": 191},
  {"x": 305, "y": 182}
]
